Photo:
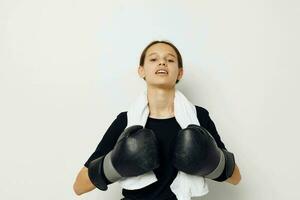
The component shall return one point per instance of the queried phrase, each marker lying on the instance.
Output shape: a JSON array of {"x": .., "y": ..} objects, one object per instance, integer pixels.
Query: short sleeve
[
  {"x": 110, "y": 137},
  {"x": 208, "y": 124}
]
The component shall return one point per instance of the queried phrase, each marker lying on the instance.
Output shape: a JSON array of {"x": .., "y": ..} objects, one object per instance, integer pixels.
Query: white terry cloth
[{"x": 184, "y": 185}]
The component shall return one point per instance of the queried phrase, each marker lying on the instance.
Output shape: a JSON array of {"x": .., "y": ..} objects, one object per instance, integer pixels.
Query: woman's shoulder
[
  {"x": 122, "y": 114},
  {"x": 202, "y": 114},
  {"x": 201, "y": 110},
  {"x": 122, "y": 117}
]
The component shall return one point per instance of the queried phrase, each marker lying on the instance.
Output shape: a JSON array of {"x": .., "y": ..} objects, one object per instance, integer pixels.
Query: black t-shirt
[{"x": 165, "y": 131}]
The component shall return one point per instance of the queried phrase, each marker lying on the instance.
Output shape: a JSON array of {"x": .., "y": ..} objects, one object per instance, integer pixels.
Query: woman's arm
[
  {"x": 210, "y": 126},
  {"x": 82, "y": 183},
  {"x": 236, "y": 176}
]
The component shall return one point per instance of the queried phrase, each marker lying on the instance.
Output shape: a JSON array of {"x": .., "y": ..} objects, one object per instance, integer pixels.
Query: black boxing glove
[
  {"x": 196, "y": 152},
  {"x": 135, "y": 153}
]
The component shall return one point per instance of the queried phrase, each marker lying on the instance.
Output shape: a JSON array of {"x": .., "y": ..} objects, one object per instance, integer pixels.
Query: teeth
[{"x": 162, "y": 71}]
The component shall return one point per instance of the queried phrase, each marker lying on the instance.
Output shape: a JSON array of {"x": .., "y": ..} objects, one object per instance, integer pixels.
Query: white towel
[{"x": 184, "y": 185}]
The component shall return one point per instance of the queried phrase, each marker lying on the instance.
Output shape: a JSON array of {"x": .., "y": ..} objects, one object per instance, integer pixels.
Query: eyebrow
[{"x": 156, "y": 53}]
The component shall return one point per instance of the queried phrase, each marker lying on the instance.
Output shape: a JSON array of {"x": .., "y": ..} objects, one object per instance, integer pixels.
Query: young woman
[{"x": 161, "y": 67}]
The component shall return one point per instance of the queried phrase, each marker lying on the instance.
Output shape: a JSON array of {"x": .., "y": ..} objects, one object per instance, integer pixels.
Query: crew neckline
[{"x": 160, "y": 119}]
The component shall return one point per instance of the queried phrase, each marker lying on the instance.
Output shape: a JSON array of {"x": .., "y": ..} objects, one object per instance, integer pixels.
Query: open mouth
[{"x": 161, "y": 72}]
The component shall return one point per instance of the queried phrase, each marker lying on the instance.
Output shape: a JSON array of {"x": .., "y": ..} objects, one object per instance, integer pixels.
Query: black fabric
[
  {"x": 96, "y": 177},
  {"x": 165, "y": 130}
]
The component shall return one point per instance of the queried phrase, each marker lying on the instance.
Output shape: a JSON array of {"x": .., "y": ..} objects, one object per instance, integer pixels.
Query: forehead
[{"x": 161, "y": 48}]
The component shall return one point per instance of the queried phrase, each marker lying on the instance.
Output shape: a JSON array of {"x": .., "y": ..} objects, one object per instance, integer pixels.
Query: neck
[{"x": 161, "y": 102}]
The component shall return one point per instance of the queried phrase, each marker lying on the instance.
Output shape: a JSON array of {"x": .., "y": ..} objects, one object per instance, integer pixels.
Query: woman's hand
[
  {"x": 236, "y": 176},
  {"x": 82, "y": 183}
]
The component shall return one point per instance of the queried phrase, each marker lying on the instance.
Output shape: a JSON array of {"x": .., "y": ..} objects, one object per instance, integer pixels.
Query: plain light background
[{"x": 68, "y": 68}]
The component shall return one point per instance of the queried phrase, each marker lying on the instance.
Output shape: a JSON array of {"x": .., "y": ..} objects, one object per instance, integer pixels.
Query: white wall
[{"x": 67, "y": 68}]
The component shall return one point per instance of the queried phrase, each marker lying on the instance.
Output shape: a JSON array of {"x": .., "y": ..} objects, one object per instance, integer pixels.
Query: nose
[{"x": 162, "y": 63}]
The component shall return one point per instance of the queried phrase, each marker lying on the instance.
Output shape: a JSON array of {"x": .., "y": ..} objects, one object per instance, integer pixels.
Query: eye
[
  {"x": 153, "y": 59},
  {"x": 171, "y": 60}
]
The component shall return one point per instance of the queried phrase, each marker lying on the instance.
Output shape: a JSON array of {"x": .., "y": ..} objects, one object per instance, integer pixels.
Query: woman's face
[{"x": 161, "y": 56}]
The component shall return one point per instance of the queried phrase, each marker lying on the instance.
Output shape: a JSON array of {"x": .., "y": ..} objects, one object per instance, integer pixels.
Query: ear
[
  {"x": 180, "y": 73},
  {"x": 141, "y": 71}
]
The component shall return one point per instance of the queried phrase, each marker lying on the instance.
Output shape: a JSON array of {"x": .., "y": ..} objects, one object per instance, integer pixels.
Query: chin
[{"x": 162, "y": 84}]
